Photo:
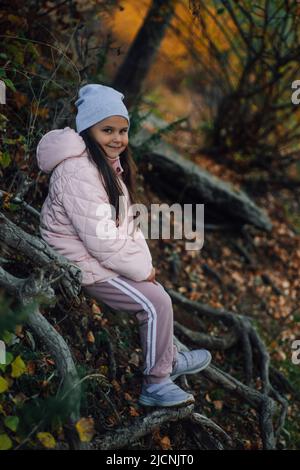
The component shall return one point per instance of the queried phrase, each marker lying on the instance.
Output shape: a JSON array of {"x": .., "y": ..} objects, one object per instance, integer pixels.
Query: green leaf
[
  {"x": 18, "y": 367},
  {"x": 12, "y": 422},
  {"x": 7, "y": 336},
  {"x": 5, "y": 442},
  {"x": 8, "y": 358},
  {"x": 3, "y": 385},
  {"x": 14, "y": 207},
  {"x": 9, "y": 84},
  {"x": 4, "y": 159},
  {"x": 8, "y": 141},
  {"x": 33, "y": 49}
]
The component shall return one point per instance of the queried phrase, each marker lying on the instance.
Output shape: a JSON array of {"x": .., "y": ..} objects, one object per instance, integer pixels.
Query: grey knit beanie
[{"x": 97, "y": 102}]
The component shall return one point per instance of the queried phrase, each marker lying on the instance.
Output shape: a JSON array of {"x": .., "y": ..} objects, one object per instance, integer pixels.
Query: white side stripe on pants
[{"x": 152, "y": 318}]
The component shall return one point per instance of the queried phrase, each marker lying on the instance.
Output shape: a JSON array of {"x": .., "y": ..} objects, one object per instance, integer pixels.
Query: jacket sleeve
[{"x": 86, "y": 204}]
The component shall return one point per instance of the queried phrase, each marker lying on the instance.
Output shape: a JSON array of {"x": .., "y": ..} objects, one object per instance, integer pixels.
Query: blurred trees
[{"x": 251, "y": 58}]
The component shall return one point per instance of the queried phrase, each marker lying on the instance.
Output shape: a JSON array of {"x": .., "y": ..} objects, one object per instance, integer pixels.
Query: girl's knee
[
  {"x": 168, "y": 301},
  {"x": 158, "y": 300},
  {"x": 163, "y": 301}
]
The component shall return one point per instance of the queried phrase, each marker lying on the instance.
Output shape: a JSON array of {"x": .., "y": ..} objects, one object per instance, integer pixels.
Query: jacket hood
[{"x": 58, "y": 145}]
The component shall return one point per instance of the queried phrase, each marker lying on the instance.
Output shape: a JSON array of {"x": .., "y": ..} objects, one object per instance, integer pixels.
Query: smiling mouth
[{"x": 114, "y": 147}]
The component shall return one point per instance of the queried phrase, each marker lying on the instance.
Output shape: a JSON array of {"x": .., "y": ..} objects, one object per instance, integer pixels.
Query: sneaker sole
[
  {"x": 151, "y": 402},
  {"x": 193, "y": 371}
]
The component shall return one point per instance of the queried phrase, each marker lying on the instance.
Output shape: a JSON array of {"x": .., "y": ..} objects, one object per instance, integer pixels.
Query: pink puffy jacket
[{"x": 69, "y": 216}]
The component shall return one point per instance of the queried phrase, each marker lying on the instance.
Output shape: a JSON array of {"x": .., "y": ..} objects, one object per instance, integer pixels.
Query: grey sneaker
[
  {"x": 190, "y": 362},
  {"x": 164, "y": 394}
]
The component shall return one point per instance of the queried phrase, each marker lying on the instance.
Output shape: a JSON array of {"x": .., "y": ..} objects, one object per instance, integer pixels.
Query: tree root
[
  {"x": 208, "y": 341},
  {"x": 42, "y": 255},
  {"x": 123, "y": 437},
  {"x": 208, "y": 424},
  {"x": 264, "y": 401}
]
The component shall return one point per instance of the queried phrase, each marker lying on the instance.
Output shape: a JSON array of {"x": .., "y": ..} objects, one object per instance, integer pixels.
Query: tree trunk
[
  {"x": 172, "y": 175},
  {"x": 131, "y": 74}
]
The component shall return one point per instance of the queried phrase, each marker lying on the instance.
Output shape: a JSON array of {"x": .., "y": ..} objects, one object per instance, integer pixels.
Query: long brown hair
[{"x": 112, "y": 185}]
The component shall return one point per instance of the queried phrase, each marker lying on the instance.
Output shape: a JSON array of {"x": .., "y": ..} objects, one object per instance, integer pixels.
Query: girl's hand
[{"x": 151, "y": 278}]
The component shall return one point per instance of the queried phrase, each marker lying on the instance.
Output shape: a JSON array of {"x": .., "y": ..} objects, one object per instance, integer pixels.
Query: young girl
[{"x": 92, "y": 169}]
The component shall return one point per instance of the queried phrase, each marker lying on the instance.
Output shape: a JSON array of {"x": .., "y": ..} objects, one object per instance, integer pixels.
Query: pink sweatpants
[{"x": 152, "y": 306}]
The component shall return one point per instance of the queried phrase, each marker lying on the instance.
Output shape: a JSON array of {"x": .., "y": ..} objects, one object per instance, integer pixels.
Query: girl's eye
[{"x": 108, "y": 130}]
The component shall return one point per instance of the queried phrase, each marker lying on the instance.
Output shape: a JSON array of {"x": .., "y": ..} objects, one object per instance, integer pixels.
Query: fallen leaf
[
  {"x": 3, "y": 385},
  {"x": 116, "y": 385},
  {"x": 95, "y": 309},
  {"x": 11, "y": 422},
  {"x": 166, "y": 443},
  {"x": 20, "y": 398},
  {"x": 218, "y": 404},
  {"x": 207, "y": 398},
  {"x": 127, "y": 396},
  {"x": 194, "y": 296},
  {"x": 19, "y": 331},
  {"x": 90, "y": 337},
  {"x": 18, "y": 367},
  {"x": 133, "y": 411},
  {"x": 85, "y": 429},
  {"x": 51, "y": 362},
  {"x": 247, "y": 445},
  {"x": 31, "y": 367},
  {"x": 103, "y": 370},
  {"x": 182, "y": 290},
  {"x": 5, "y": 442},
  {"x": 46, "y": 439}
]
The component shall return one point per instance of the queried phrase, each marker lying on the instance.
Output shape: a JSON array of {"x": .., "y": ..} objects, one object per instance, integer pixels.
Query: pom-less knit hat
[{"x": 97, "y": 102}]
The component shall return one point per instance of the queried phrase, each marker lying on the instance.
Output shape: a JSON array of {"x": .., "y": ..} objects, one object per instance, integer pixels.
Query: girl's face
[{"x": 111, "y": 134}]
